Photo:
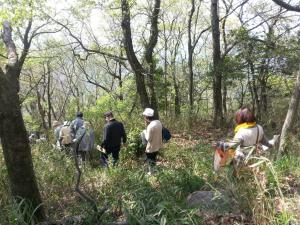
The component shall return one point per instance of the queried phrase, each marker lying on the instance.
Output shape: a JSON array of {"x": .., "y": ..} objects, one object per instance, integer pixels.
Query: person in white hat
[{"x": 153, "y": 135}]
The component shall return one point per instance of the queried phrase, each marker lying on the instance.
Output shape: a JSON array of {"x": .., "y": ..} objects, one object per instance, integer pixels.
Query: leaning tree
[
  {"x": 294, "y": 102},
  {"x": 14, "y": 139}
]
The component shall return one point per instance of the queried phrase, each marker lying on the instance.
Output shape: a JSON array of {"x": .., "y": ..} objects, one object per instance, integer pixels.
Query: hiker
[
  {"x": 65, "y": 135},
  {"x": 33, "y": 136},
  {"x": 153, "y": 136},
  {"x": 56, "y": 125},
  {"x": 75, "y": 124},
  {"x": 247, "y": 133},
  {"x": 84, "y": 141},
  {"x": 113, "y": 134}
]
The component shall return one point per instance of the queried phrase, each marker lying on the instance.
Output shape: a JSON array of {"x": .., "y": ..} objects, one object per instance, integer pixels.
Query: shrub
[{"x": 135, "y": 148}]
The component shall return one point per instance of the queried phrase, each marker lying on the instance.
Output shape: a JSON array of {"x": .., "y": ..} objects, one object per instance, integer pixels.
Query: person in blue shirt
[{"x": 76, "y": 124}]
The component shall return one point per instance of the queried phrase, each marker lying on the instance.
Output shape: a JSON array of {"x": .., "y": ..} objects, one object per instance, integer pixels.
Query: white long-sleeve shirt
[
  {"x": 247, "y": 136},
  {"x": 154, "y": 136}
]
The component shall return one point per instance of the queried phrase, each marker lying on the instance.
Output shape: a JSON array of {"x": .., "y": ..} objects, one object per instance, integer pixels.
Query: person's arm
[
  {"x": 149, "y": 133},
  {"x": 238, "y": 139},
  {"x": 61, "y": 135},
  {"x": 72, "y": 131},
  {"x": 225, "y": 145},
  {"x": 76, "y": 126},
  {"x": 92, "y": 139},
  {"x": 233, "y": 143},
  {"x": 104, "y": 141},
  {"x": 57, "y": 131},
  {"x": 124, "y": 136},
  {"x": 265, "y": 141}
]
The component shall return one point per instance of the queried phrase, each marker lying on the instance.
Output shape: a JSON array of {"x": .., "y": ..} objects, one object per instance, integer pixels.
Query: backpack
[
  {"x": 80, "y": 133},
  {"x": 166, "y": 135}
]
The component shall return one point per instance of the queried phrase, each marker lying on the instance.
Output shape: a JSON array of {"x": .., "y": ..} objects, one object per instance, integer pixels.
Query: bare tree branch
[
  {"x": 3, "y": 56},
  {"x": 27, "y": 38},
  {"x": 31, "y": 89},
  {"x": 26, "y": 43},
  {"x": 229, "y": 48},
  {"x": 87, "y": 76},
  {"x": 287, "y": 6},
  {"x": 84, "y": 47},
  {"x": 221, "y": 19}
]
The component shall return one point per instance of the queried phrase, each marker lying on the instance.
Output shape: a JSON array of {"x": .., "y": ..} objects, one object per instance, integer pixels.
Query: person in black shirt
[{"x": 113, "y": 134}]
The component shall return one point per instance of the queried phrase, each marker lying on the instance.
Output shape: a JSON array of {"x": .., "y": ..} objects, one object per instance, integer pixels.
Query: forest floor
[
  {"x": 281, "y": 177},
  {"x": 184, "y": 189}
]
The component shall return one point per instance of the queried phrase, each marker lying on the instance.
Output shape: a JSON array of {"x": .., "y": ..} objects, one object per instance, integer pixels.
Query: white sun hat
[{"x": 148, "y": 112}]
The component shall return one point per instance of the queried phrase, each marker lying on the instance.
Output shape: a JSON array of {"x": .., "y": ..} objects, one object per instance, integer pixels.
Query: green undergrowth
[
  {"x": 129, "y": 192},
  {"x": 141, "y": 199}
]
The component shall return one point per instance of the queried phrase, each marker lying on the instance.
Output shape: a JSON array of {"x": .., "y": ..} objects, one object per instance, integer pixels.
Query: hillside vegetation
[{"x": 184, "y": 167}]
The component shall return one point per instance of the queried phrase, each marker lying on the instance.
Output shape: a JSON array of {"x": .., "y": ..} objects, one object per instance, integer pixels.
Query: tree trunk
[
  {"x": 263, "y": 95},
  {"x": 17, "y": 151},
  {"x": 217, "y": 76},
  {"x": 153, "y": 99},
  {"x": 257, "y": 112},
  {"x": 250, "y": 87},
  {"x": 53, "y": 113},
  {"x": 175, "y": 82},
  {"x": 14, "y": 139},
  {"x": 141, "y": 89},
  {"x": 49, "y": 94},
  {"x": 242, "y": 97},
  {"x": 149, "y": 56},
  {"x": 190, "y": 59},
  {"x": 175, "y": 85},
  {"x": 139, "y": 71},
  {"x": 165, "y": 75},
  {"x": 224, "y": 98},
  {"x": 290, "y": 116},
  {"x": 41, "y": 109},
  {"x": 121, "y": 96},
  {"x": 77, "y": 96},
  {"x": 257, "y": 100}
]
